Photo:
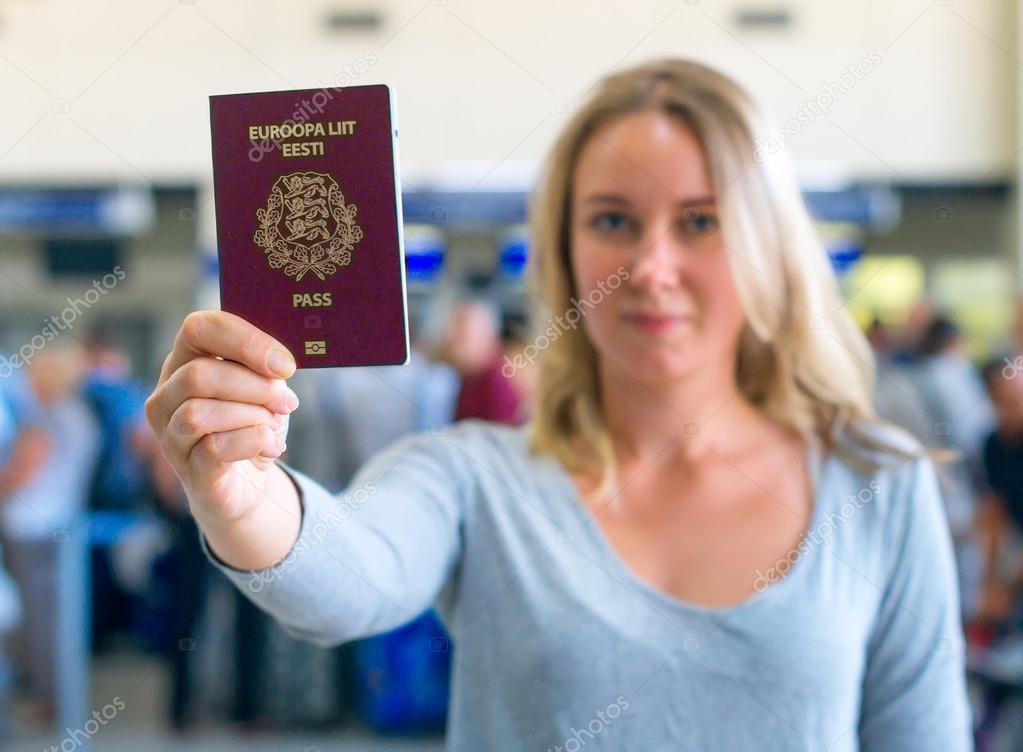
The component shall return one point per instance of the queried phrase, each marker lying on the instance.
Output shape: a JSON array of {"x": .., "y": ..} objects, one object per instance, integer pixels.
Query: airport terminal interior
[{"x": 901, "y": 123}]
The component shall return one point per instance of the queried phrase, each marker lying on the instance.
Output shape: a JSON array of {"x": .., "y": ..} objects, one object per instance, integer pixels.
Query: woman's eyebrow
[{"x": 611, "y": 198}]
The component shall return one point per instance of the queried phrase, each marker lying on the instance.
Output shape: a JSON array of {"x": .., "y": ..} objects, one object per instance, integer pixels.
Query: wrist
[{"x": 265, "y": 533}]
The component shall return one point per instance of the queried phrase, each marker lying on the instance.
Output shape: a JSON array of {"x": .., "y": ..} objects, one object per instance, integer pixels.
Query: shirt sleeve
[
  {"x": 374, "y": 556},
  {"x": 914, "y": 691}
]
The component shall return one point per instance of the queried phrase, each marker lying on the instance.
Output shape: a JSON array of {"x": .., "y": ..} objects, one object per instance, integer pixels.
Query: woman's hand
[{"x": 220, "y": 412}]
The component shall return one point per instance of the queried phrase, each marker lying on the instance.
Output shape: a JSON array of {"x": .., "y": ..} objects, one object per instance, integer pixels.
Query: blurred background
[{"x": 904, "y": 122}]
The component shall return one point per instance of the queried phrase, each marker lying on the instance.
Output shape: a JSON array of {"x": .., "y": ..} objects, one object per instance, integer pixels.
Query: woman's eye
[
  {"x": 700, "y": 223},
  {"x": 611, "y": 222}
]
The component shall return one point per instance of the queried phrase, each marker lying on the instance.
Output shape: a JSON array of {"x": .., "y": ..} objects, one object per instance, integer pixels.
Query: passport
[{"x": 309, "y": 226}]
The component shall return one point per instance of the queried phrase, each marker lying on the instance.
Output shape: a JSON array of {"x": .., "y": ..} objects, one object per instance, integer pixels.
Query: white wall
[{"x": 118, "y": 90}]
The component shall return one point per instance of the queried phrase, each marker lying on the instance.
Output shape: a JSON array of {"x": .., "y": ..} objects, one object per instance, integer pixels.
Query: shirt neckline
[{"x": 817, "y": 461}]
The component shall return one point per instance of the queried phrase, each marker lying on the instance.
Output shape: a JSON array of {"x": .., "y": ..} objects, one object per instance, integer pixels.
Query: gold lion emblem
[{"x": 307, "y": 226}]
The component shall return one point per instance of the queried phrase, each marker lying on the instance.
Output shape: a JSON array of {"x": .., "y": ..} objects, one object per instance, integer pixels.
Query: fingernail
[
  {"x": 281, "y": 363},
  {"x": 291, "y": 399}
]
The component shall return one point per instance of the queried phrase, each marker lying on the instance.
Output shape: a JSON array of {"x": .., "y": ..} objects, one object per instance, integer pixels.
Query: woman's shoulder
[
  {"x": 502, "y": 464},
  {"x": 874, "y": 448},
  {"x": 889, "y": 469}
]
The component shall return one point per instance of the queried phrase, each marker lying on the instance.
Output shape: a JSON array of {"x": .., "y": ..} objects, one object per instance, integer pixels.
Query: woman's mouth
[{"x": 650, "y": 323}]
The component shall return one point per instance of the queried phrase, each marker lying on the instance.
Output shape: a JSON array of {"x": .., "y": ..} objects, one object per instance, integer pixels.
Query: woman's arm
[
  {"x": 329, "y": 568},
  {"x": 990, "y": 526},
  {"x": 914, "y": 689},
  {"x": 374, "y": 556},
  {"x": 994, "y": 600}
]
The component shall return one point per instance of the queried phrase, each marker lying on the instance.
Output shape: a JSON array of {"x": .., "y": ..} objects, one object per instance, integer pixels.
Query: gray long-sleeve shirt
[{"x": 851, "y": 643}]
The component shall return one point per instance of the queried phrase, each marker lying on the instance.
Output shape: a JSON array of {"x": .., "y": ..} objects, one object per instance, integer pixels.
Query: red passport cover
[{"x": 309, "y": 229}]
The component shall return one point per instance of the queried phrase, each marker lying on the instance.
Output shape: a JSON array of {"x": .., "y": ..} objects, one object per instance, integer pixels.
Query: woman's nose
[{"x": 657, "y": 263}]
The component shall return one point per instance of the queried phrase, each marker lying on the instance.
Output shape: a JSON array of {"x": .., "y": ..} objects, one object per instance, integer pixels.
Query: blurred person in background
[
  {"x": 996, "y": 631},
  {"x": 516, "y": 364},
  {"x": 187, "y": 589},
  {"x": 881, "y": 338},
  {"x": 26, "y": 445},
  {"x": 686, "y": 441},
  {"x": 118, "y": 401},
  {"x": 10, "y": 599},
  {"x": 896, "y": 398},
  {"x": 905, "y": 345},
  {"x": 473, "y": 348},
  {"x": 182, "y": 597},
  {"x": 1000, "y": 518},
  {"x": 119, "y": 484},
  {"x": 960, "y": 418},
  {"x": 37, "y": 516}
]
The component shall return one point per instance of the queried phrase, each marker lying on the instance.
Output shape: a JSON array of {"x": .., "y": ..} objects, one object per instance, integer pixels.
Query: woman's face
[{"x": 642, "y": 200}]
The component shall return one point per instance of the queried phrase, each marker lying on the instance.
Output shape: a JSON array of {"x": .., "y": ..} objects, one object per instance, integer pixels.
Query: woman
[{"x": 703, "y": 540}]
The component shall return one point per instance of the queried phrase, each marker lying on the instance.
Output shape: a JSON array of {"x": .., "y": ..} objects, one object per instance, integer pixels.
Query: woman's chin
[{"x": 659, "y": 366}]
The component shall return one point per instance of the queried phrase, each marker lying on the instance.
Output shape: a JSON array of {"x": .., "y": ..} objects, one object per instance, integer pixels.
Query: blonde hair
[{"x": 801, "y": 359}]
